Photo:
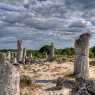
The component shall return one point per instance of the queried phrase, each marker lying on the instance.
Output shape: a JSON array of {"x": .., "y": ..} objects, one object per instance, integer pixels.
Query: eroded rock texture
[
  {"x": 79, "y": 86},
  {"x": 9, "y": 80},
  {"x": 84, "y": 87},
  {"x": 81, "y": 66}
]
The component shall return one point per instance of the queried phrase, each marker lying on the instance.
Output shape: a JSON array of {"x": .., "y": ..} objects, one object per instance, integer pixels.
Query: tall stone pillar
[
  {"x": 46, "y": 56},
  {"x": 24, "y": 55},
  {"x": 81, "y": 65},
  {"x": 19, "y": 51},
  {"x": 51, "y": 52},
  {"x": 9, "y": 56}
]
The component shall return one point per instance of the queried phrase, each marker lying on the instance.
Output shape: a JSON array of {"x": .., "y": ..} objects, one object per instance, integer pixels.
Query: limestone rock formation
[
  {"x": 9, "y": 79},
  {"x": 51, "y": 52},
  {"x": 19, "y": 51},
  {"x": 81, "y": 85},
  {"x": 81, "y": 66}
]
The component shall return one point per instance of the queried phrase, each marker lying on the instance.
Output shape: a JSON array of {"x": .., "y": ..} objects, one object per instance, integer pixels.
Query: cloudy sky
[{"x": 39, "y": 22}]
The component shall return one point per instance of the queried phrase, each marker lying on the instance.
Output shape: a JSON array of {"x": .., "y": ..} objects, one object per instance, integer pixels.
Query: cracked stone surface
[
  {"x": 9, "y": 80},
  {"x": 79, "y": 86}
]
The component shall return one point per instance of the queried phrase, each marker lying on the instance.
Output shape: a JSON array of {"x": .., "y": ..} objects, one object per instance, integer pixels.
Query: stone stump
[{"x": 9, "y": 79}]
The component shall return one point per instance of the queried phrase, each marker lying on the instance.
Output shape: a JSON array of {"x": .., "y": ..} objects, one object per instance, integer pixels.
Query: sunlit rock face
[
  {"x": 9, "y": 80},
  {"x": 81, "y": 66},
  {"x": 58, "y": 21}
]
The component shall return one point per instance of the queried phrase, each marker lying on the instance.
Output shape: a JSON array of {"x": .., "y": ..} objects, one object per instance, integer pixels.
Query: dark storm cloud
[
  {"x": 44, "y": 21},
  {"x": 81, "y": 4}
]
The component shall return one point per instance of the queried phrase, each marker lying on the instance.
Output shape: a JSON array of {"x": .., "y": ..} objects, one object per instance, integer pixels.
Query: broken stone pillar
[
  {"x": 24, "y": 55},
  {"x": 9, "y": 79},
  {"x": 19, "y": 51},
  {"x": 81, "y": 65},
  {"x": 51, "y": 52}
]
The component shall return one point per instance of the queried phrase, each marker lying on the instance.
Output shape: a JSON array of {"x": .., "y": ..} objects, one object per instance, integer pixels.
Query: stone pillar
[
  {"x": 19, "y": 51},
  {"x": 9, "y": 79},
  {"x": 51, "y": 52},
  {"x": 13, "y": 58},
  {"x": 9, "y": 56},
  {"x": 24, "y": 55},
  {"x": 46, "y": 56},
  {"x": 2, "y": 58},
  {"x": 81, "y": 65},
  {"x": 31, "y": 55}
]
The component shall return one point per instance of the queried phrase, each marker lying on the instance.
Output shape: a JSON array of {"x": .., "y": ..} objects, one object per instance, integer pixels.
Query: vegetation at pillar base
[
  {"x": 92, "y": 52},
  {"x": 41, "y": 53}
]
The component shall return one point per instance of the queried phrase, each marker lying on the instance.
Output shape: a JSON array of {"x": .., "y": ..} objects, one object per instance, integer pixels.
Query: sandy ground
[{"x": 44, "y": 74}]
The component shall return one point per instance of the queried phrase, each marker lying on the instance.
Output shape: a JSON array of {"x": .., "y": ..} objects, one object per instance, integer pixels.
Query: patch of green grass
[
  {"x": 23, "y": 94},
  {"x": 25, "y": 81},
  {"x": 36, "y": 85},
  {"x": 71, "y": 75}
]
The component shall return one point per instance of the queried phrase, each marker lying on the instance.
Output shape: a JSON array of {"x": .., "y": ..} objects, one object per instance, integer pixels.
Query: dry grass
[{"x": 48, "y": 71}]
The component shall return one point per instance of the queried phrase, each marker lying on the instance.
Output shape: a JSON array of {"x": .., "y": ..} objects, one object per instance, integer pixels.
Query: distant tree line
[{"x": 67, "y": 52}]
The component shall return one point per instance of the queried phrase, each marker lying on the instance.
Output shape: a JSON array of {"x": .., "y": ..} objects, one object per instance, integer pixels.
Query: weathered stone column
[
  {"x": 51, "y": 52},
  {"x": 9, "y": 79},
  {"x": 19, "y": 51},
  {"x": 13, "y": 58},
  {"x": 46, "y": 56},
  {"x": 3, "y": 57},
  {"x": 24, "y": 55},
  {"x": 81, "y": 66},
  {"x": 31, "y": 55},
  {"x": 9, "y": 56},
  {"x": 52, "y": 49}
]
